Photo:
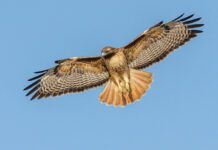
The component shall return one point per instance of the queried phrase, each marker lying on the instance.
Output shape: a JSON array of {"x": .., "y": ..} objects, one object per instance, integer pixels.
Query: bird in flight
[{"x": 119, "y": 68}]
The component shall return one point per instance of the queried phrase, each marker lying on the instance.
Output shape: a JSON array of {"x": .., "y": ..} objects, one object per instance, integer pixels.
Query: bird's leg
[
  {"x": 126, "y": 79},
  {"x": 118, "y": 83}
]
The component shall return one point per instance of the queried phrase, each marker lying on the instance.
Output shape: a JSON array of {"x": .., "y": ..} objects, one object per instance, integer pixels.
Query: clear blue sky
[{"x": 180, "y": 111}]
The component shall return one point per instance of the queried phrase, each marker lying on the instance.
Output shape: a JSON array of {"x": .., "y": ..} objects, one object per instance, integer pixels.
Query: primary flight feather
[{"x": 118, "y": 67}]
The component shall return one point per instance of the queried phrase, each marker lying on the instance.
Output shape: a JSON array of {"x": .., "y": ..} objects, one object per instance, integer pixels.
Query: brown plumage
[{"x": 118, "y": 67}]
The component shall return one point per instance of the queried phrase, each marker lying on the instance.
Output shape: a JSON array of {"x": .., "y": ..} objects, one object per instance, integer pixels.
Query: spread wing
[
  {"x": 70, "y": 75},
  {"x": 157, "y": 42}
]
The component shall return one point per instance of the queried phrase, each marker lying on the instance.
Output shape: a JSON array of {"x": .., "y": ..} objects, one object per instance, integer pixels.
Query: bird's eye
[{"x": 103, "y": 53}]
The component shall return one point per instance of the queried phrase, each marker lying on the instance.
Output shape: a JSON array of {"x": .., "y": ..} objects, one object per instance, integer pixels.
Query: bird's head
[{"x": 107, "y": 50}]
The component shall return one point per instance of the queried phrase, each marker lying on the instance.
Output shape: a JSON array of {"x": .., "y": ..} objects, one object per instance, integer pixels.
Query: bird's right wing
[{"x": 70, "y": 75}]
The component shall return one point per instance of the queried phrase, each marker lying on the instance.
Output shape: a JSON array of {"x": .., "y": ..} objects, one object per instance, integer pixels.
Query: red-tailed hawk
[{"x": 118, "y": 67}]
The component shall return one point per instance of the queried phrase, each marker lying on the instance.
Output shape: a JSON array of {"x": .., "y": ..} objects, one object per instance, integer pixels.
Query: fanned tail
[
  {"x": 112, "y": 95},
  {"x": 139, "y": 83}
]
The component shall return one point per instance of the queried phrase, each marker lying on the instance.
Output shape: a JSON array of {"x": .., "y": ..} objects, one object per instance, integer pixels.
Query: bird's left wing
[
  {"x": 157, "y": 42},
  {"x": 70, "y": 75}
]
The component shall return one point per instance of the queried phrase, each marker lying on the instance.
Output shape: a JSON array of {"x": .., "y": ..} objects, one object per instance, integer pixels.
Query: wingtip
[
  {"x": 41, "y": 71},
  {"x": 180, "y": 16},
  {"x": 36, "y": 77},
  {"x": 57, "y": 61},
  {"x": 35, "y": 96},
  {"x": 192, "y": 21},
  {"x": 186, "y": 18},
  {"x": 32, "y": 99},
  {"x": 195, "y": 26},
  {"x": 197, "y": 31},
  {"x": 156, "y": 25},
  {"x": 25, "y": 89}
]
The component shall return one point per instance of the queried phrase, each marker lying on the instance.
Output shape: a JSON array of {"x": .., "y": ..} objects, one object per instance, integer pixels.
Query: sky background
[{"x": 179, "y": 112}]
